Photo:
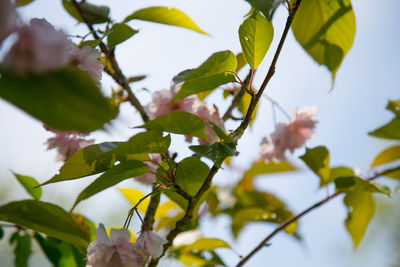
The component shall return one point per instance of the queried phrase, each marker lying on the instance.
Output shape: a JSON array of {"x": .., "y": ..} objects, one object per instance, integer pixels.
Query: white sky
[{"x": 368, "y": 77}]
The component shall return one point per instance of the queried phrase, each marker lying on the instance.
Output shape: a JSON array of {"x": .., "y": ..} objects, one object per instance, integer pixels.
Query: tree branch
[
  {"x": 116, "y": 72},
  {"x": 283, "y": 225}
]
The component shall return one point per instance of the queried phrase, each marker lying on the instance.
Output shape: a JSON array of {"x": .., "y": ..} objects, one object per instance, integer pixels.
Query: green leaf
[
  {"x": 165, "y": 15},
  {"x": 255, "y": 34},
  {"x": 317, "y": 159},
  {"x": 30, "y": 185},
  {"x": 181, "y": 76},
  {"x": 388, "y": 155},
  {"x": 23, "y": 250},
  {"x": 215, "y": 71},
  {"x": 267, "y": 7},
  {"x": 394, "y": 106},
  {"x": 325, "y": 29},
  {"x": 120, "y": 32},
  {"x": 137, "y": 78},
  {"x": 241, "y": 61},
  {"x": 361, "y": 209},
  {"x": 99, "y": 158},
  {"x": 340, "y": 171},
  {"x": 50, "y": 248},
  {"x": 45, "y": 218},
  {"x": 217, "y": 151},
  {"x": 261, "y": 167},
  {"x": 23, "y": 2},
  {"x": 95, "y": 14},
  {"x": 388, "y": 131},
  {"x": 91, "y": 43},
  {"x": 178, "y": 122},
  {"x": 190, "y": 174},
  {"x": 124, "y": 170},
  {"x": 1, "y": 232},
  {"x": 245, "y": 216},
  {"x": 206, "y": 244},
  {"x": 356, "y": 184},
  {"x": 64, "y": 100}
]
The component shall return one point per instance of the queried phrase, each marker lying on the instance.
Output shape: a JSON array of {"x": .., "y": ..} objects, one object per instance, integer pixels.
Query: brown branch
[
  {"x": 283, "y": 225},
  {"x": 148, "y": 220},
  {"x": 116, "y": 72},
  {"x": 237, "y": 97}
]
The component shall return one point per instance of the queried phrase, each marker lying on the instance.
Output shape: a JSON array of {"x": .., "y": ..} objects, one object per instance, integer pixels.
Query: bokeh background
[{"x": 368, "y": 77}]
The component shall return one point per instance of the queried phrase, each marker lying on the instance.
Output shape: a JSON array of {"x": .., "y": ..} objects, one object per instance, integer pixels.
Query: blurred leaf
[
  {"x": 64, "y": 100},
  {"x": 178, "y": 122},
  {"x": 241, "y": 61},
  {"x": 1, "y": 232},
  {"x": 120, "y": 32},
  {"x": 181, "y": 76},
  {"x": 95, "y": 14},
  {"x": 99, "y": 158},
  {"x": 206, "y": 244},
  {"x": 50, "y": 248},
  {"x": 261, "y": 167},
  {"x": 189, "y": 259},
  {"x": 394, "y": 106},
  {"x": 361, "y": 209},
  {"x": 356, "y": 184},
  {"x": 190, "y": 174},
  {"x": 215, "y": 71},
  {"x": 317, "y": 159},
  {"x": 137, "y": 78},
  {"x": 267, "y": 7},
  {"x": 388, "y": 131},
  {"x": 216, "y": 151},
  {"x": 133, "y": 196},
  {"x": 164, "y": 208},
  {"x": 46, "y": 218},
  {"x": 388, "y": 155},
  {"x": 244, "y": 105},
  {"x": 30, "y": 185},
  {"x": 85, "y": 225},
  {"x": 325, "y": 29},
  {"x": 23, "y": 2},
  {"x": 245, "y": 216},
  {"x": 169, "y": 222},
  {"x": 255, "y": 34},
  {"x": 23, "y": 250},
  {"x": 91, "y": 43},
  {"x": 13, "y": 237},
  {"x": 124, "y": 170},
  {"x": 340, "y": 171},
  {"x": 165, "y": 15}
]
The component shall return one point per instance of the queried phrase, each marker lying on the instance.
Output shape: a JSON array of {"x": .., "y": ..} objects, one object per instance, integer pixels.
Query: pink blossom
[
  {"x": 67, "y": 143},
  {"x": 150, "y": 178},
  {"x": 8, "y": 18},
  {"x": 86, "y": 59},
  {"x": 207, "y": 114},
  {"x": 151, "y": 244},
  {"x": 39, "y": 48},
  {"x": 289, "y": 136},
  {"x": 115, "y": 251},
  {"x": 161, "y": 103}
]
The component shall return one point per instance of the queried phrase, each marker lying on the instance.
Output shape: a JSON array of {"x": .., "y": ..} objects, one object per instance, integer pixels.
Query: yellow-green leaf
[
  {"x": 317, "y": 159},
  {"x": 133, "y": 196},
  {"x": 206, "y": 244},
  {"x": 388, "y": 155},
  {"x": 255, "y": 34},
  {"x": 120, "y": 32},
  {"x": 325, "y": 29},
  {"x": 30, "y": 185},
  {"x": 165, "y": 15},
  {"x": 361, "y": 209}
]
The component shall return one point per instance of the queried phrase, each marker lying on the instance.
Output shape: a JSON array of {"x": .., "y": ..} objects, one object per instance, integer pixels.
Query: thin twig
[{"x": 283, "y": 225}]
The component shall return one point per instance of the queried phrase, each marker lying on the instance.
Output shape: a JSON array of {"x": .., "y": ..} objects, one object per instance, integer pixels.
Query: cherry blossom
[
  {"x": 151, "y": 244},
  {"x": 161, "y": 103},
  {"x": 115, "y": 251},
  {"x": 207, "y": 114},
  {"x": 67, "y": 143},
  {"x": 8, "y": 18},
  {"x": 39, "y": 48},
  {"x": 150, "y": 178},
  {"x": 86, "y": 59},
  {"x": 289, "y": 136}
]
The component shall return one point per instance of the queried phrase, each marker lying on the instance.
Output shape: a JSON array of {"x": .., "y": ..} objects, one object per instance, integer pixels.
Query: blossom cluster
[
  {"x": 289, "y": 136},
  {"x": 162, "y": 104},
  {"x": 118, "y": 251}
]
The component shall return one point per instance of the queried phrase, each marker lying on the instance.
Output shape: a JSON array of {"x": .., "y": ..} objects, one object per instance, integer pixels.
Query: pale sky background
[{"x": 368, "y": 77}]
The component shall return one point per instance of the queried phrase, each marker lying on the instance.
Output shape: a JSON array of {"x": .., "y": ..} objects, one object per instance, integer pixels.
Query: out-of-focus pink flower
[
  {"x": 87, "y": 59},
  {"x": 150, "y": 178},
  {"x": 207, "y": 114},
  {"x": 151, "y": 244},
  {"x": 67, "y": 143},
  {"x": 8, "y": 18},
  {"x": 161, "y": 103},
  {"x": 289, "y": 136},
  {"x": 115, "y": 251},
  {"x": 39, "y": 48}
]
